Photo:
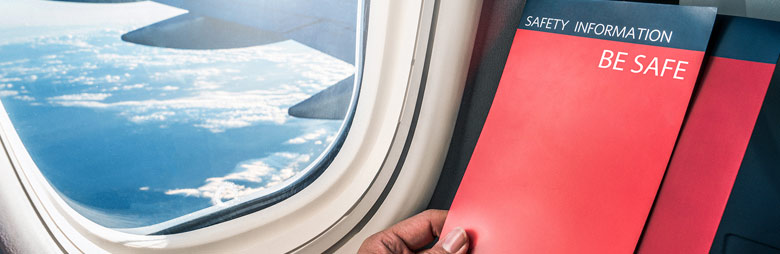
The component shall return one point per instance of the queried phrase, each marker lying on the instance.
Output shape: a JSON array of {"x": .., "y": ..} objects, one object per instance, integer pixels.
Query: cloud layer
[
  {"x": 258, "y": 172},
  {"x": 215, "y": 90},
  {"x": 211, "y": 89}
]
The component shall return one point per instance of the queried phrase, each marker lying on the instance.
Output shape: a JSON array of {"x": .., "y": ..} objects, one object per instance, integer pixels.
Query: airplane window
[{"x": 141, "y": 113}]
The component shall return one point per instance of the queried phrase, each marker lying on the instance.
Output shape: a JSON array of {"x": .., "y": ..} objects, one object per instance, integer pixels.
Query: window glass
[{"x": 133, "y": 135}]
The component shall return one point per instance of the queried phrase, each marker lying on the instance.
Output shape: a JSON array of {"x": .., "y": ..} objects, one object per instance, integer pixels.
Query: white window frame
[{"x": 416, "y": 59}]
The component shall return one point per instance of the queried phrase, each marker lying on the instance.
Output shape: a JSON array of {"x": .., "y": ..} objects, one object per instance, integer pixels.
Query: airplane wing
[
  {"x": 326, "y": 25},
  {"x": 192, "y": 31},
  {"x": 335, "y": 99}
]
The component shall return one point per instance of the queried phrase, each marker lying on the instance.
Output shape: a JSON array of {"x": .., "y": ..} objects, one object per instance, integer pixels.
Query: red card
[
  {"x": 580, "y": 131},
  {"x": 713, "y": 140}
]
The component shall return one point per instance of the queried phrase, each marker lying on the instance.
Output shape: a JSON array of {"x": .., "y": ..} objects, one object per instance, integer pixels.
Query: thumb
[{"x": 456, "y": 242}]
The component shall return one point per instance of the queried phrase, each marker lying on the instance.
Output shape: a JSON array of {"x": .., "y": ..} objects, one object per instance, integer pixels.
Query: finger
[
  {"x": 407, "y": 235},
  {"x": 421, "y": 229},
  {"x": 383, "y": 243},
  {"x": 455, "y": 242}
]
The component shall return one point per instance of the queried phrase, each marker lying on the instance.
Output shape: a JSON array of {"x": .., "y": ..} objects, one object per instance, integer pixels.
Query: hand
[{"x": 416, "y": 232}]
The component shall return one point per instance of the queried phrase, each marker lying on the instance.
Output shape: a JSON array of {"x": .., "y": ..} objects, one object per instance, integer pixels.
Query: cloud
[
  {"x": 156, "y": 116},
  {"x": 184, "y": 192},
  {"x": 262, "y": 172},
  {"x": 135, "y": 86},
  {"x": 81, "y": 97},
  {"x": 112, "y": 78},
  {"x": 216, "y": 111},
  {"x": 298, "y": 140},
  {"x": 307, "y": 137},
  {"x": 6, "y": 93},
  {"x": 24, "y": 98},
  {"x": 258, "y": 174}
]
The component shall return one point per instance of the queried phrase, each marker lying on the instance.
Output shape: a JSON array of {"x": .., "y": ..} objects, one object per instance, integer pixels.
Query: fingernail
[{"x": 454, "y": 240}]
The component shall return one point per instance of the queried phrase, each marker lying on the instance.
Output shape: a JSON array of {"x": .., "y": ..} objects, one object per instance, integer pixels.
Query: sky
[
  {"x": 21, "y": 19},
  {"x": 32, "y": 13}
]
